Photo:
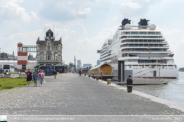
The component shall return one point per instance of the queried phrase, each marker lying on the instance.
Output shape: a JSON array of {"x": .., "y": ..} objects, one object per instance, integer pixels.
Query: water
[{"x": 173, "y": 91}]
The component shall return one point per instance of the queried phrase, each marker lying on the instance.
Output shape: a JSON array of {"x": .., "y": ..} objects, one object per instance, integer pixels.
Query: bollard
[
  {"x": 85, "y": 74},
  {"x": 97, "y": 78},
  {"x": 108, "y": 81},
  {"x": 89, "y": 75}
]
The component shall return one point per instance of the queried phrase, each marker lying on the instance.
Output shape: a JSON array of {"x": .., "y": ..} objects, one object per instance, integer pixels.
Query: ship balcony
[
  {"x": 145, "y": 42},
  {"x": 142, "y": 34},
  {"x": 146, "y": 57},
  {"x": 152, "y": 47},
  {"x": 147, "y": 51},
  {"x": 106, "y": 55},
  {"x": 125, "y": 38}
]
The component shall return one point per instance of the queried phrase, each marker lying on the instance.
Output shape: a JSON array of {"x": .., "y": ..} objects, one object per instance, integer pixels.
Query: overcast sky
[{"x": 84, "y": 25}]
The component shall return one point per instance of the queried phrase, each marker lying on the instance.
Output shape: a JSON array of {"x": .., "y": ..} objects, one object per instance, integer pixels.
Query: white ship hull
[{"x": 147, "y": 72}]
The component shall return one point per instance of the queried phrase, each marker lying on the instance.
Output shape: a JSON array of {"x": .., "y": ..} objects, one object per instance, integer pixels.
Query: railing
[
  {"x": 144, "y": 42},
  {"x": 147, "y": 51},
  {"x": 142, "y": 37},
  {"x": 152, "y": 62},
  {"x": 141, "y": 34},
  {"x": 144, "y": 46}
]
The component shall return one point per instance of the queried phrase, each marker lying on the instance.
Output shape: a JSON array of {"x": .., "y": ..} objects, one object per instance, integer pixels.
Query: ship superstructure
[{"x": 143, "y": 49}]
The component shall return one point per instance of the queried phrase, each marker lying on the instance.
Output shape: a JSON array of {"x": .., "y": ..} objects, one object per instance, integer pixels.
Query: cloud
[
  {"x": 85, "y": 13},
  {"x": 34, "y": 16},
  {"x": 9, "y": 9},
  {"x": 135, "y": 8},
  {"x": 131, "y": 5},
  {"x": 63, "y": 10}
]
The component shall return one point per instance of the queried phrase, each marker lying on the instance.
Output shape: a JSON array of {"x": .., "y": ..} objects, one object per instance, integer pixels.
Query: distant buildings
[
  {"x": 98, "y": 62},
  {"x": 79, "y": 64},
  {"x": 30, "y": 57},
  {"x": 87, "y": 65},
  {"x": 6, "y": 56}
]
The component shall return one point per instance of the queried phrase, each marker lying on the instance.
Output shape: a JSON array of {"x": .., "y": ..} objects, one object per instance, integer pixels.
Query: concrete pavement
[{"x": 71, "y": 94}]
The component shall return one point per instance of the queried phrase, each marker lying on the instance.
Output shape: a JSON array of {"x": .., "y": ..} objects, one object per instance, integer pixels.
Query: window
[
  {"x": 49, "y": 56},
  {"x": 19, "y": 48},
  {"x": 41, "y": 56},
  {"x": 55, "y": 56}
]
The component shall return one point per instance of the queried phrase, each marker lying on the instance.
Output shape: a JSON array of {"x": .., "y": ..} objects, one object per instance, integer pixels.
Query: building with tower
[
  {"x": 74, "y": 64},
  {"x": 79, "y": 64},
  {"x": 98, "y": 62},
  {"x": 49, "y": 51}
]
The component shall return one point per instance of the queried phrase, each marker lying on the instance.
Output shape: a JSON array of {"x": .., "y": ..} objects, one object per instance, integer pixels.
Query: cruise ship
[{"x": 143, "y": 49}]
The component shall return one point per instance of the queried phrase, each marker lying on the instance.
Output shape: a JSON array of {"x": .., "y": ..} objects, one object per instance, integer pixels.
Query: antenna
[{"x": 53, "y": 30}]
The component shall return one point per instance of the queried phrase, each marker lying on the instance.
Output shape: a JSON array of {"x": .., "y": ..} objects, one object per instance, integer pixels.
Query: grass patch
[
  {"x": 8, "y": 83},
  {"x": 8, "y": 87},
  {"x": 23, "y": 84},
  {"x": 15, "y": 73}
]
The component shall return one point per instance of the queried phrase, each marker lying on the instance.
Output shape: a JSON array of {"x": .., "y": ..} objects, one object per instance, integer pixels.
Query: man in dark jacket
[
  {"x": 79, "y": 72},
  {"x": 129, "y": 84}
]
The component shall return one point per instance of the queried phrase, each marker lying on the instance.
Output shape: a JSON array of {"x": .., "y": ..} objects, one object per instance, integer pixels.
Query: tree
[{"x": 70, "y": 64}]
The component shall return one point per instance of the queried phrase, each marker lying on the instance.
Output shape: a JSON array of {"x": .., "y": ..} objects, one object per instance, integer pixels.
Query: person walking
[
  {"x": 55, "y": 73},
  {"x": 79, "y": 72},
  {"x": 29, "y": 76},
  {"x": 35, "y": 77},
  {"x": 41, "y": 77},
  {"x": 129, "y": 84}
]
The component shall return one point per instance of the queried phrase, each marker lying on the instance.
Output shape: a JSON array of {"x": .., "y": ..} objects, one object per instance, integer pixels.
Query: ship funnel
[
  {"x": 143, "y": 22},
  {"x": 125, "y": 21}
]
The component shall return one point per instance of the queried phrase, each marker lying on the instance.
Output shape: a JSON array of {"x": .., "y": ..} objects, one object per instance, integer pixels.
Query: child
[
  {"x": 41, "y": 77},
  {"x": 35, "y": 76}
]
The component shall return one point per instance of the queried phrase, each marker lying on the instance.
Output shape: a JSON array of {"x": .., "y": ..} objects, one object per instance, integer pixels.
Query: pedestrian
[
  {"x": 41, "y": 77},
  {"x": 129, "y": 84},
  {"x": 29, "y": 76},
  {"x": 55, "y": 73},
  {"x": 35, "y": 77},
  {"x": 79, "y": 72}
]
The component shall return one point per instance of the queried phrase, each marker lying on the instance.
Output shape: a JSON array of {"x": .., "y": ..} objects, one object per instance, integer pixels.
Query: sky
[{"x": 84, "y": 25}]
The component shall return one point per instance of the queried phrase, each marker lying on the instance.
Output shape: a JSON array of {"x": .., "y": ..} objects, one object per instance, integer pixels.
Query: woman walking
[{"x": 41, "y": 77}]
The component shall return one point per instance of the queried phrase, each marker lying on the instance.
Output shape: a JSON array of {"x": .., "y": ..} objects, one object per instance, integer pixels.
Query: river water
[{"x": 173, "y": 91}]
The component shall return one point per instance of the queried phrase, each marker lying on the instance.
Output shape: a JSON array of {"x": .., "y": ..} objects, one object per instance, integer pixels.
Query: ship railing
[
  {"x": 144, "y": 46},
  {"x": 143, "y": 42},
  {"x": 146, "y": 51}
]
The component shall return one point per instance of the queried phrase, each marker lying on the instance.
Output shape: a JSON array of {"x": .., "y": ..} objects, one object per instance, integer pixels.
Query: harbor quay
[{"x": 71, "y": 94}]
